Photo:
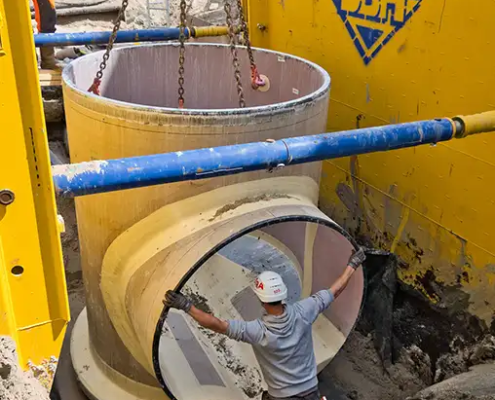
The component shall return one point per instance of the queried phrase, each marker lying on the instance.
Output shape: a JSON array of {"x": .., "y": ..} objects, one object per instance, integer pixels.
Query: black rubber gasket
[{"x": 202, "y": 260}]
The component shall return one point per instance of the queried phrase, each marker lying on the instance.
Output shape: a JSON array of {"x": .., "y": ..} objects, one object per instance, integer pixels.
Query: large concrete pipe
[
  {"x": 136, "y": 115},
  {"x": 211, "y": 246}
]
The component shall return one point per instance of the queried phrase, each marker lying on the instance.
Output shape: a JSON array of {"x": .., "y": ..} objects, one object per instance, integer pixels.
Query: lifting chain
[
  {"x": 95, "y": 87},
  {"x": 182, "y": 51},
  {"x": 235, "y": 57},
  {"x": 256, "y": 80}
]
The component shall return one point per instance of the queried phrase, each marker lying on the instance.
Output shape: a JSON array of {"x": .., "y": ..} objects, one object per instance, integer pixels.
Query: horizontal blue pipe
[
  {"x": 111, "y": 175},
  {"x": 83, "y": 38}
]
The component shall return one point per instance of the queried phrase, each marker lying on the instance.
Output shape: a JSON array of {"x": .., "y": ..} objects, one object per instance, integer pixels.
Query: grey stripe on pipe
[
  {"x": 247, "y": 304},
  {"x": 203, "y": 369}
]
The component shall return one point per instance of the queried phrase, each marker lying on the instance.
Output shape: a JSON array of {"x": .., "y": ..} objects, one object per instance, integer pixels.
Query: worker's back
[{"x": 283, "y": 345}]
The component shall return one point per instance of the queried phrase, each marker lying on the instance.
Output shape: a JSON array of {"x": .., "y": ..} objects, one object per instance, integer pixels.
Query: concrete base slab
[{"x": 97, "y": 379}]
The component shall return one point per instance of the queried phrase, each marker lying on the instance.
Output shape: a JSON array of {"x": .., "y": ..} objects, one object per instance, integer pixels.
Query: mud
[
  {"x": 462, "y": 357},
  {"x": 401, "y": 343},
  {"x": 401, "y": 317},
  {"x": 357, "y": 372},
  {"x": 198, "y": 300},
  {"x": 248, "y": 200}
]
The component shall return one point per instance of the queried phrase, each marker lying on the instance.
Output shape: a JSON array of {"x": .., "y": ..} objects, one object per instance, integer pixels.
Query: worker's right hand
[
  {"x": 357, "y": 258},
  {"x": 178, "y": 301}
]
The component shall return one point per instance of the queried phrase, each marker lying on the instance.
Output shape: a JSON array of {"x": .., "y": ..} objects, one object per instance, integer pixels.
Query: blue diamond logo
[{"x": 372, "y": 23}]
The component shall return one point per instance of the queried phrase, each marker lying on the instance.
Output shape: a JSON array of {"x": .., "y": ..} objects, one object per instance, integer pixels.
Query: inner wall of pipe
[
  {"x": 197, "y": 363},
  {"x": 147, "y": 75}
]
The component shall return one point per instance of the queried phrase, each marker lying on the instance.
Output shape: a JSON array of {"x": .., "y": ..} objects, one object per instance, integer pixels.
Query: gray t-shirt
[{"x": 283, "y": 344}]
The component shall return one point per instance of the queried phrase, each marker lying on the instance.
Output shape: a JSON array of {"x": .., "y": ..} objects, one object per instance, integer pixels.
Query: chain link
[
  {"x": 99, "y": 75},
  {"x": 235, "y": 57},
  {"x": 256, "y": 79},
  {"x": 182, "y": 51}
]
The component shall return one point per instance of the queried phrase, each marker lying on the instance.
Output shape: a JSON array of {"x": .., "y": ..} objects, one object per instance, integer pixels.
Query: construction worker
[
  {"x": 282, "y": 338},
  {"x": 46, "y": 19}
]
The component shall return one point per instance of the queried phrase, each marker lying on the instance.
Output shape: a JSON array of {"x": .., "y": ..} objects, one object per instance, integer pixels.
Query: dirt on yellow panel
[{"x": 392, "y": 62}]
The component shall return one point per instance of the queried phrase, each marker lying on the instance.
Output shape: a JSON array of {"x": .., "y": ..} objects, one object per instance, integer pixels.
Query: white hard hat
[{"x": 270, "y": 287}]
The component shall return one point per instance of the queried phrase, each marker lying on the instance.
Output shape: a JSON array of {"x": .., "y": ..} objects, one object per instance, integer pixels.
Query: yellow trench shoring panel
[
  {"x": 33, "y": 297},
  {"x": 398, "y": 61}
]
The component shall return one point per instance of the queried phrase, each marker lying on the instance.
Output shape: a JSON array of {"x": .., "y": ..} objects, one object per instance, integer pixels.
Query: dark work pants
[
  {"x": 45, "y": 15},
  {"x": 310, "y": 396}
]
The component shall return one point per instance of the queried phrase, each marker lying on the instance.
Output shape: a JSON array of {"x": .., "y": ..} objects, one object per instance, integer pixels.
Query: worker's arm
[
  {"x": 354, "y": 262},
  {"x": 209, "y": 321},
  {"x": 180, "y": 302},
  {"x": 248, "y": 332}
]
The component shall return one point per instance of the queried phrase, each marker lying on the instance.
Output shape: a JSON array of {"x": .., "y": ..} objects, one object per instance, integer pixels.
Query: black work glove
[
  {"x": 357, "y": 258},
  {"x": 178, "y": 301}
]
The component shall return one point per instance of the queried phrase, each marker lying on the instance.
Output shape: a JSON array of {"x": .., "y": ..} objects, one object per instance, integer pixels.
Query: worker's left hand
[
  {"x": 357, "y": 258},
  {"x": 178, "y": 301}
]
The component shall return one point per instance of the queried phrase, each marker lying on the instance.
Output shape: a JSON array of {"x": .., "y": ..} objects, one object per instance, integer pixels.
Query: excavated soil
[
  {"x": 402, "y": 344},
  {"x": 16, "y": 384},
  {"x": 357, "y": 373},
  {"x": 136, "y": 16}
]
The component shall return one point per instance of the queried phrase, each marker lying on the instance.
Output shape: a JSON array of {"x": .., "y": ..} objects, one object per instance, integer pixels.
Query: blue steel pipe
[
  {"x": 83, "y": 38},
  {"x": 112, "y": 175}
]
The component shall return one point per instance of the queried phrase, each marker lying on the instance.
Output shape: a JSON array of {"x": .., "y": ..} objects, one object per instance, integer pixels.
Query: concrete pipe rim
[
  {"x": 259, "y": 110},
  {"x": 263, "y": 224}
]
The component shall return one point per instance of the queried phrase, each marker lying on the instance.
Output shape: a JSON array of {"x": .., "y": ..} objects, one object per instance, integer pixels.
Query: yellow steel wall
[
  {"x": 33, "y": 300},
  {"x": 434, "y": 206}
]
